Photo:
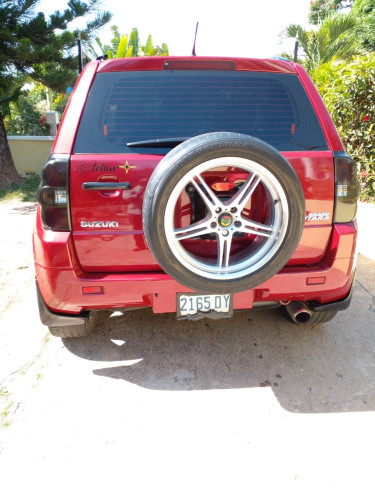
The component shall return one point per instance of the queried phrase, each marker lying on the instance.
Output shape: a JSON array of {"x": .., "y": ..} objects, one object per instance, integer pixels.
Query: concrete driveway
[{"x": 148, "y": 407}]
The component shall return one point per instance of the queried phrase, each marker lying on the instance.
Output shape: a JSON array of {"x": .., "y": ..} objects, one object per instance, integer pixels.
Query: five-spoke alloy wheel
[{"x": 223, "y": 212}]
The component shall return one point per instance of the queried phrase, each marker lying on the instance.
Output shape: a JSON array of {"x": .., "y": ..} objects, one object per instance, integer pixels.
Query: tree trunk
[{"x": 8, "y": 172}]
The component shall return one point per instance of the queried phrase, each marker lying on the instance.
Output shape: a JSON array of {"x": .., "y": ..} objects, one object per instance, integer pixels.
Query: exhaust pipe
[{"x": 299, "y": 312}]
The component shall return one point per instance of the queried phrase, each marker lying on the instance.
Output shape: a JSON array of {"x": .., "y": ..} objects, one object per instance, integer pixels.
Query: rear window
[{"x": 131, "y": 107}]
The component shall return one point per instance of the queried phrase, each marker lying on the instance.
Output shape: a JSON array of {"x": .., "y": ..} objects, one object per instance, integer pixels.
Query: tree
[
  {"x": 330, "y": 41},
  {"x": 320, "y": 9},
  {"x": 362, "y": 10},
  {"x": 27, "y": 112},
  {"x": 129, "y": 46},
  {"x": 33, "y": 48},
  {"x": 347, "y": 90}
]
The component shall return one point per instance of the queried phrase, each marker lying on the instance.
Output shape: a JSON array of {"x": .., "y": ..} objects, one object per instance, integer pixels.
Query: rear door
[
  {"x": 107, "y": 223},
  {"x": 123, "y": 135}
]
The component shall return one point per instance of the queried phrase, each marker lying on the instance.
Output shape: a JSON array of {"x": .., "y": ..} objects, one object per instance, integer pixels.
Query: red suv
[{"x": 196, "y": 186}]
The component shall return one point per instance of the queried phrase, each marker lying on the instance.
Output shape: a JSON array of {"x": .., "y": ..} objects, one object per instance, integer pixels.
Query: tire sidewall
[{"x": 192, "y": 153}]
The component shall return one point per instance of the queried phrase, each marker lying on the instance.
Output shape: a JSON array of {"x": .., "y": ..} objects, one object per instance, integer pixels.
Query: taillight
[
  {"x": 198, "y": 64},
  {"x": 346, "y": 188},
  {"x": 53, "y": 194}
]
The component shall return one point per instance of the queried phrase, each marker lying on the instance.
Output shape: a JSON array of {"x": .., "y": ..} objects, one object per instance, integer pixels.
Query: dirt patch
[
  {"x": 16, "y": 258},
  {"x": 22, "y": 336}
]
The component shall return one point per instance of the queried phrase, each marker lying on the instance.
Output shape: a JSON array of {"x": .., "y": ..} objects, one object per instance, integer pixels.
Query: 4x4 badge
[{"x": 127, "y": 167}]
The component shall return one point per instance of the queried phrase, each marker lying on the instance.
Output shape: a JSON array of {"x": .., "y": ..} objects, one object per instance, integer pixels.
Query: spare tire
[{"x": 223, "y": 212}]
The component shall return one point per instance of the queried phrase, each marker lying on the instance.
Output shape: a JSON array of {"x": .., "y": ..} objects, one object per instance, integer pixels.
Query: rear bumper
[
  {"x": 62, "y": 282},
  {"x": 49, "y": 318}
]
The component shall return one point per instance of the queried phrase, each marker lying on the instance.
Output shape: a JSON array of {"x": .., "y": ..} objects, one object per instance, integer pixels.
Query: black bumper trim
[
  {"x": 50, "y": 318},
  {"x": 339, "y": 305}
]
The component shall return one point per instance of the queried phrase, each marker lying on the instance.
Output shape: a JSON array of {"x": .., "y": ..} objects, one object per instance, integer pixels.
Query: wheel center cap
[{"x": 225, "y": 220}]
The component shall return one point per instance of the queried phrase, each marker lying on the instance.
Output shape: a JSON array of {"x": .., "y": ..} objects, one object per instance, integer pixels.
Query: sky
[{"x": 244, "y": 28}]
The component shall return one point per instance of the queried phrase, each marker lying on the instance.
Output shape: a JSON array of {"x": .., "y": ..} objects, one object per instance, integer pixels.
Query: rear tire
[
  {"x": 321, "y": 317},
  {"x": 69, "y": 332},
  {"x": 234, "y": 241}
]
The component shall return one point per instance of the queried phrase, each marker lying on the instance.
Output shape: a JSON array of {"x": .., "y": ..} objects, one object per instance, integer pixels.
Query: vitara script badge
[
  {"x": 99, "y": 223},
  {"x": 317, "y": 216}
]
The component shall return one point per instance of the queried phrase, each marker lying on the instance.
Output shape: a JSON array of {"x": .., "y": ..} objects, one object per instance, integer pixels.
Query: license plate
[{"x": 197, "y": 306}]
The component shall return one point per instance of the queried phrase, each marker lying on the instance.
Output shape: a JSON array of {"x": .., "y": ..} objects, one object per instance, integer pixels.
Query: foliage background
[
  {"x": 342, "y": 28},
  {"x": 32, "y": 104},
  {"x": 348, "y": 90},
  {"x": 338, "y": 51},
  {"x": 25, "y": 110}
]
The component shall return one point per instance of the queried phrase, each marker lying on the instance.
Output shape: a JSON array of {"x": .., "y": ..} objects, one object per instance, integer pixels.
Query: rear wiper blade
[{"x": 168, "y": 142}]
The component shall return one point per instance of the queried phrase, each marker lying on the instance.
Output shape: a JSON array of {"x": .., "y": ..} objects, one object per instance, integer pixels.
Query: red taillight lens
[
  {"x": 347, "y": 188},
  {"x": 222, "y": 186},
  {"x": 92, "y": 290},
  {"x": 53, "y": 194}
]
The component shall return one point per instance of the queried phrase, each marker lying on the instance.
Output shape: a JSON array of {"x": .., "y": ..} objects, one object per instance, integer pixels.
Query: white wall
[{"x": 30, "y": 153}]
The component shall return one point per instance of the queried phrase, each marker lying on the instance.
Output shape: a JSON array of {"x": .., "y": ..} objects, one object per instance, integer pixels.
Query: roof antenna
[
  {"x": 79, "y": 45},
  {"x": 195, "y": 39},
  {"x": 295, "y": 55}
]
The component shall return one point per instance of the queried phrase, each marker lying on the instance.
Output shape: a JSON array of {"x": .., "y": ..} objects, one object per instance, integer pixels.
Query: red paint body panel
[
  {"x": 118, "y": 249},
  {"x": 61, "y": 286},
  {"x": 69, "y": 124},
  {"x": 157, "y": 64},
  {"x": 123, "y": 249}
]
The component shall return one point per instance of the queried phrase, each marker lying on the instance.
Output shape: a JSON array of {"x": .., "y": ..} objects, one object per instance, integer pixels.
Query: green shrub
[
  {"x": 348, "y": 90},
  {"x": 27, "y": 191}
]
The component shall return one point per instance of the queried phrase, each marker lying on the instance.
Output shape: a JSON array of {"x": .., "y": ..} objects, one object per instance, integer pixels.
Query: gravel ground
[{"x": 148, "y": 407}]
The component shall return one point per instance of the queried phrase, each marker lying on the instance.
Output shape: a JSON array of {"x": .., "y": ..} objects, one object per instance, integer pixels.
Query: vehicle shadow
[
  {"x": 321, "y": 368},
  {"x": 25, "y": 208}
]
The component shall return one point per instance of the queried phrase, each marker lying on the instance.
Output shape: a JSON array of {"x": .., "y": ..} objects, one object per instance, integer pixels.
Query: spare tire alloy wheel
[{"x": 223, "y": 212}]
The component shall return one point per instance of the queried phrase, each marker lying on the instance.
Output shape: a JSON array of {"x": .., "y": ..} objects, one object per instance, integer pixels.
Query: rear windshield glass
[{"x": 131, "y": 107}]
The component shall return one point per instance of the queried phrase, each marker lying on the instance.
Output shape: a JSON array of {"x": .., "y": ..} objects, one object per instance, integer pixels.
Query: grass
[
  {"x": 5, "y": 408},
  {"x": 27, "y": 191},
  {"x": 7, "y": 405}
]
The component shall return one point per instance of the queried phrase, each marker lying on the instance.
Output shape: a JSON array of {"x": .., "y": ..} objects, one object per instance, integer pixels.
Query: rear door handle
[{"x": 106, "y": 186}]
